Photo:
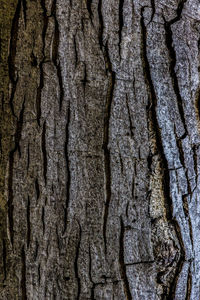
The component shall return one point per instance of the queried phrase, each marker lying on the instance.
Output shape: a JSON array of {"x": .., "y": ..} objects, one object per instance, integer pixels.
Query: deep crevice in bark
[
  {"x": 122, "y": 264},
  {"x": 28, "y": 223},
  {"x": 90, "y": 275},
  {"x": 41, "y": 84},
  {"x": 121, "y": 23},
  {"x": 43, "y": 219},
  {"x": 130, "y": 118},
  {"x": 172, "y": 56},
  {"x": 76, "y": 263},
  {"x": 68, "y": 184},
  {"x": 44, "y": 152},
  {"x": 24, "y": 11},
  {"x": 37, "y": 188},
  {"x": 180, "y": 262},
  {"x": 100, "y": 24},
  {"x": 55, "y": 54},
  {"x": 106, "y": 141},
  {"x": 4, "y": 257},
  {"x": 23, "y": 274},
  {"x": 89, "y": 8},
  {"x": 189, "y": 284},
  {"x": 12, "y": 54}
]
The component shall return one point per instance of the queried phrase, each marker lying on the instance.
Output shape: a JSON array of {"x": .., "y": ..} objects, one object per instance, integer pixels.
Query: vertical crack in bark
[
  {"x": 166, "y": 177},
  {"x": 39, "y": 93},
  {"x": 23, "y": 274},
  {"x": 106, "y": 141},
  {"x": 28, "y": 223},
  {"x": 55, "y": 54},
  {"x": 36, "y": 250},
  {"x": 4, "y": 257},
  {"x": 2, "y": 96},
  {"x": 172, "y": 55},
  {"x": 11, "y": 165},
  {"x": 43, "y": 220},
  {"x": 37, "y": 188},
  {"x": 44, "y": 152},
  {"x": 182, "y": 160},
  {"x": 12, "y": 54},
  {"x": 121, "y": 163},
  {"x": 195, "y": 159},
  {"x": 28, "y": 157},
  {"x": 89, "y": 8},
  {"x": 153, "y": 10},
  {"x": 39, "y": 275},
  {"x": 101, "y": 26},
  {"x": 75, "y": 50},
  {"x": 129, "y": 115},
  {"x": 90, "y": 275},
  {"x": 121, "y": 23},
  {"x": 122, "y": 264},
  {"x": 180, "y": 262},
  {"x": 67, "y": 168},
  {"x": 76, "y": 263},
  {"x": 85, "y": 79},
  {"x": 189, "y": 284},
  {"x": 24, "y": 11},
  {"x": 41, "y": 84}
]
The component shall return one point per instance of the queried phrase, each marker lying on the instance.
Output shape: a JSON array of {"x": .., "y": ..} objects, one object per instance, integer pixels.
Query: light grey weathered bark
[{"x": 99, "y": 145}]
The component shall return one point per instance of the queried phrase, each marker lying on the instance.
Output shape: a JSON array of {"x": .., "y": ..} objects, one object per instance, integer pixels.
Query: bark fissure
[
  {"x": 23, "y": 274},
  {"x": 12, "y": 54},
  {"x": 43, "y": 219},
  {"x": 24, "y": 11},
  {"x": 121, "y": 22},
  {"x": 90, "y": 275},
  {"x": 44, "y": 152},
  {"x": 189, "y": 284},
  {"x": 41, "y": 84},
  {"x": 89, "y": 8},
  {"x": 101, "y": 25},
  {"x": 55, "y": 54},
  {"x": 37, "y": 188},
  {"x": 130, "y": 118},
  {"x": 76, "y": 263},
  {"x": 28, "y": 223},
  {"x": 4, "y": 256},
  {"x": 122, "y": 264},
  {"x": 173, "y": 60},
  {"x": 68, "y": 183},
  {"x": 106, "y": 141}
]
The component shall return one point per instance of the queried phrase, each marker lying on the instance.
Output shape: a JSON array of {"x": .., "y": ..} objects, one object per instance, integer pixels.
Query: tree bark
[{"x": 99, "y": 146}]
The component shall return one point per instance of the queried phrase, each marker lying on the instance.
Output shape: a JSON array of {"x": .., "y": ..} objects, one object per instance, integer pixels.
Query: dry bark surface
[{"x": 100, "y": 149}]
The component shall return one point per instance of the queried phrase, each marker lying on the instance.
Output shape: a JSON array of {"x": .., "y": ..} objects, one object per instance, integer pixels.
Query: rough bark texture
[{"x": 99, "y": 146}]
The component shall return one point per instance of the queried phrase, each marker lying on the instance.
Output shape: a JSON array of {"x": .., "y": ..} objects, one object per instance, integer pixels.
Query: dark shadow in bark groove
[
  {"x": 23, "y": 279},
  {"x": 44, "y": 152},
  {"x": 67, "y": 168},
  {"x": 76, "y": 262},
  {"x": 122, "y": 264},
  {"x": 106, "y": 140},
  {"x": 172, "y": 55},
  {"x": 12, "y": 54}
]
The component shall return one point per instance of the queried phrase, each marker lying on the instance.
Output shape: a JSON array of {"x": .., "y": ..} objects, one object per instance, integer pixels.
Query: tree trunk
[{"x": 99, "y": 145}]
